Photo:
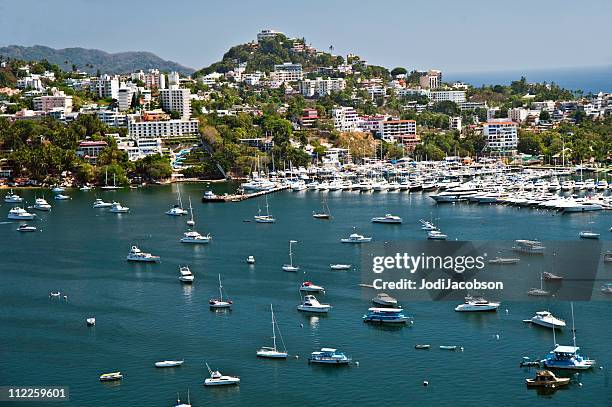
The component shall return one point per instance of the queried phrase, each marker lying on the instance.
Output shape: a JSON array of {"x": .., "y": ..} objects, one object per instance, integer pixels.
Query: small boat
[
  {"x": 90, "y": 321},
  {"x": 472, "y": 304},
  {"x": 388, "y": 218},
  {"x": 324, "y": 214},
  {"x": 311, "y": 304},
  {"x": 606, "y": 288},
  {"x": 41, "y": 204},
  {"x": 329, "y": 356},
  {"x": 58, "y": 189},
  {"x": 436, "y": 235},
  {"x": 448, "y": 347},
  {"x": 340, "y": 266},
  {"x": 169, "y": 363},
  {"x": 186, "y": 276},
  {"x": 586, "y": 234},
  {"x": 117, "y": 208},
  {"x": 504, "y": 260},
  {"x": 217, "y": 379},
  {"x": 191, "y": 221},
  {"x": 52, "y": 294},
  {"x": 111, "y": 377},
  {"x": 546, "y": 319},
  {"x": 250, "y": 260},
  {"x": 386, "y": 316},
  {"x": 422, "y": 346},
  {"x": 61, "y": 197},
  {"x": 273, "y": 352},
  {"x": 529, "y": 247},
  {"x": 26, "y": 228},
  {"x": 607, "y": 257},
  {"x": 195, "y": 237},
  {"x": 290, "y": 266},
  {"x": 12, "y": 198},
  {"x": 547, "y": 379},
  {"x": 85, "y": 188},
  {"x": 309, "y": 287},
  {"x": 384, "y": 299},
  {"x": 539, "y": 292},
  {"x": 136, "y": 254},
  {"x": 18, "y": 213},
  {"x": 427, "y": 225},
  {"x": 551, "y": 277},
  {"x": 99, "y": 203},
  {"x": 356, "y": 238},
  {"x": 220, "y": 303}
]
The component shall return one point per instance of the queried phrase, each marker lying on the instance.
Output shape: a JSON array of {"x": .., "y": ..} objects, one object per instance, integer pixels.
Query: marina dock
[{"x": 240, "y": 197}]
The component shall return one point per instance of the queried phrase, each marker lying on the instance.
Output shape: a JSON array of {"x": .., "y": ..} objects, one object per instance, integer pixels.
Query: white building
[
  {"x": 321, "y": 87},
  {"x": 265, "y": 34},
  {"x": 431, "y": 79},
  {"x": 154, "y": 79},
  {"x": 112, "y": 118},
  {"x": 32, "y": 82},
  {"x": 173, "y": 79},
  {"x": 137, "y": 149},
  {"x": 457, "y": 96},
  {"x": 287, "y": 72},
  {"x": 501, "y": 135},
  {"x": 547, "y": 105},
  {"x": 345, "y": 118},
  {"x": 210, "y": 79},
  {"x": 140, "y": 129},
  {"x": 105, "y": 87},
  {"x": 454, "y": 123},
  {"x": 177, "y": 100},
  {"x": 518, "y": 114},
  {"x": 124, "y": 98},
  {"x": 58, "y": 99},
  {"x": 399, "y": 131}
]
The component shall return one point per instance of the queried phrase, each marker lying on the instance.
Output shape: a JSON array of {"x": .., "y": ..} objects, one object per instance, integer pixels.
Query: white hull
[
  {"x": 222, "y": 381},
  {"x": 290, "y": 268},
  {"x": 271, "y": 354},
  {"x": 317, "y": 310}
]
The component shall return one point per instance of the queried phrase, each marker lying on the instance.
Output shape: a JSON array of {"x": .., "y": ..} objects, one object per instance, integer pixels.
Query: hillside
[{"x": 91, "y": 60}]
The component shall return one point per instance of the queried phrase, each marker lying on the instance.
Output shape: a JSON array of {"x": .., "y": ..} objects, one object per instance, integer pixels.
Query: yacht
[
  {"x": 309, "y": 287},
  {"x": 385, "y": 300},
  {"x": 311, "y": 304},
  {"x": 250, "y": 260},
  {"x": 290, "y": 266},
  {"x": 195, "y": 237},
  {"x": 136, "y": 254},
  {"x": 111, "y": 377},
  {"x": 217, "y": 379},
  {"x": 587, "y": 234},
  {"x": 273, "y": 352},
  {"x": 18, "y": 213},
  {"x": 267, "y": 218},
  {"x": 606, "y": 288},
  {"x": 220, "y": 303},
  {"x": 26, "y": 228},
  {"x": 61, "y": 197},
  {"x": 186, "y": 276},
  {"x": 12, "y": 198},
  {"x": 109, "y": 187},
  {"x": 425, "y": 225},
  {"x": 177, "y": 209},
  {"x": 117, "y": 208},
  {"x": 41, "y": 204},
  {"x": 329, "y": 356},
  {"x": 551, "y": 277},
  {"x": 546, "y": 319},
  {"x": 356, "y": 238},
  {"x": 436, "y": 235},
  {"x": 547, "y": 379},
  {"x": 169, "y": 363},
  {"x": 324, "y": 214},
  {"x": 340, "y": 266},
  {"x": 582, "y": 206},
  {"x": 388, "y": 218},
  {"x": 58, "y": 189},
  {"x": 472, "y": 304},
  {"x": 529, "y": 247},
  {"x": 99, "y": 203},
  {"x": 602, "y": 185},
  {"x": 386, "y": 316}
]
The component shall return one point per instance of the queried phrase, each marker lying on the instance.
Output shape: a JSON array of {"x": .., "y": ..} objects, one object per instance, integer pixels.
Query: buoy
[
  {"x": 65, "y": 297},
  {"x": 297, "y": 356},
  {"x": 580, "y": 384},
  {"x": 461, "y": 349},
  {"x": 411, "y": 322},
  {"x": 301, "y": 325},
  {"x": 506, "y": 310},
  {"x": 356, "y": 363},
  {"x": 497, "y": 336},
  {"x": 425, "y": 383}
]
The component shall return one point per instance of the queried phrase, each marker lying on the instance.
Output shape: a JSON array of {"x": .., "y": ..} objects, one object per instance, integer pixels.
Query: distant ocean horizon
[{"x": 587, "y": 79}]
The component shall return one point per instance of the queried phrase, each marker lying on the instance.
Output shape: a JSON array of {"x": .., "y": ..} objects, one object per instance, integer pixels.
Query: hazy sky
[{"x": 453, "y": 35}]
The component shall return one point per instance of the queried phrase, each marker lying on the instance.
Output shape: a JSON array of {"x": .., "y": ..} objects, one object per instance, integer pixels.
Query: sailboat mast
[
  {"x": 573, "y": 327},
  {"x": 290, "y": 254},
  {"x": 220, "y": 290},
  {"x": 273, "y": 333}
]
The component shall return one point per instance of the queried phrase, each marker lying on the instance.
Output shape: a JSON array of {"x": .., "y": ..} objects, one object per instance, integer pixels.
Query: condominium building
[
  {"x": 454, "y": 123},
  {"x": 137, "y": 149},
  {"x": 124, "y": 98},
  {"x": 89, "y": 150},
  {"x": 50, "y": 102},
  {"x": 399, "y": 131},
  {"x": 266, "y": 34},
  {"x": 177, "y": 100},
  {"x": 457, "y": 96},
  {"x": 309, "y": 117},
  {"x": 501, "y": 135},
  {"x": 431, "y": 79},
  {"x": 371, "y": 123},
  {"x": 154, "y": 79},
  {"x": 173, "y": 79},
  {"x": 518, "y": 114},
  {"x": 140, "y": 129},
  {"x": 105, "y": 87},
  {"x": 345, "y": 118},
  {"x": 472, "y": 105},
  {"x": 287, "y": 72},
  {"x": 321, "y": 87},
  {"x": 112, "y": 118}
]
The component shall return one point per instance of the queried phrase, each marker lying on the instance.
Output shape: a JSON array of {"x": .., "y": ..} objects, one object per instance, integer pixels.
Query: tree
[
  {"x": 398, "y": 71},
  {"x": 544, "y": 115}
]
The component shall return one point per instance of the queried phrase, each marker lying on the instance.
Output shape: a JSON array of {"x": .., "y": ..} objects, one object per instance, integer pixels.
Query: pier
[{"x": 240, "y": 197}]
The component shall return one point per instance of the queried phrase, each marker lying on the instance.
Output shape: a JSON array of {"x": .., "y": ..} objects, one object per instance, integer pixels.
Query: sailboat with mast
[
  {"x": 267, "y": 218},
  {"x": 177, "y": 209},
  {"x": 109, "y": 187},
  {"x": 325, "y": 212},
  {"x": 219, "y": 303},
  {"x": 539, "y": 292},
  {"x": 290, "y": 266},
  {"x": 190, "y": 222},
  {"x": 273, "y": 352}
]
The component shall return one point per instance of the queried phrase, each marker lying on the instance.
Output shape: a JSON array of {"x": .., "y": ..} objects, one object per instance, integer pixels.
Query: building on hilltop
[
  {"x": 266, "y": 34},
  {"x": 287, "y": 72},
  {"x": 431, "y": 79}
]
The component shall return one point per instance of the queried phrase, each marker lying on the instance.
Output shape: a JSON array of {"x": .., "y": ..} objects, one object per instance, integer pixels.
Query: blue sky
[{"x": 452, "y": 35}]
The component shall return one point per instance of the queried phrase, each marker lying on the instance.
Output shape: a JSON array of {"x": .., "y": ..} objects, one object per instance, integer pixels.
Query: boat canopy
[{"x": 566, "y": 349}]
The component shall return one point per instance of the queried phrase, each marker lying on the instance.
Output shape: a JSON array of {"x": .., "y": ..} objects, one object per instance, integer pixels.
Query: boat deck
[{"x": 241, "y": 197}]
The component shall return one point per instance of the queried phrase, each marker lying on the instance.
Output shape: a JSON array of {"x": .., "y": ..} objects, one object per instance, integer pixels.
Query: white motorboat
[
  {"x": 311, "y": 304},
  {"x": 217, "y": 379},
  {"x": 428, "y": 226},
  {"x": 61, "y": 197},
  {"x": 356, "y": 238},
  {"x": 58, "y": 190},
  {"x": 117, "y": 208},
  {"x": 309, "y": 287},
  {"x": 587, "y": 234},
  {"x": 26, "y": 228},
  {"x": 436, "y": 235},
  {"x": 136, "y": 254},
  {"x": 606, "y": 288},
  {"x": 340, "y": 266},
  {"x": 169, "y": 363},
  {"x": 12, "y": 198},
  {"x": 250, "y": 260},
  {"x": 41, "y": 204},
  {"x": 546, "y": 319},
  {"x": 195, "y": 237},
  {"x": 99, "y": 203},
  {"x": 186, "y": 276},
  {"x": 472, "y": 304},
  {"x": 528, "y": 247},
  {"x": 329, "y": 356},
  {"x": 385, "y": 316},
  {"x": 273, "y": 352},
  {"x": 290, "y": 266},
  {"x": 220, "y": 303},
  {"x": 111, "y": 377},
  {"x": 90, "y": 321},
  {"x": 504, "y": 260},
  {"x": 18, "y": 213},
  {"x": 384, "y": 299},
  {"x": 388, "y": 218}
]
